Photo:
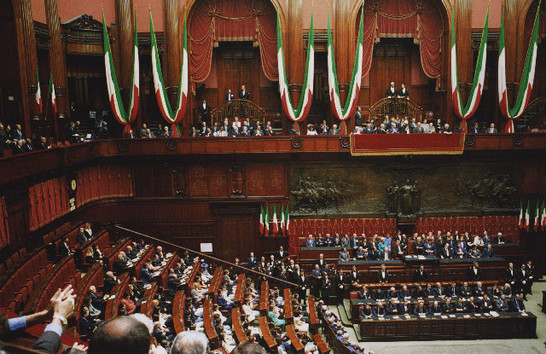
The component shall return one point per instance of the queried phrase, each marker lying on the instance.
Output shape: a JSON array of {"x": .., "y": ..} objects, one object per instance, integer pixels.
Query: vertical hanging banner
[
  {"x": 116, "y": 103},
  {"x": 345, "y": 112},
  {"x": 527, "y": 77},
  {"x": 173, "y": 117},
  {"x": 466, "y": 112},
  {"x": 52, "y": 96},
  {"x": 304, "y": 105},
  {"x": 38, "y": 96},
  {"x": 537, "y": 216}
]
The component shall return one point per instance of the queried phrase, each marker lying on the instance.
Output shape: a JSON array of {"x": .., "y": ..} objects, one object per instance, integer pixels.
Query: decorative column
[
  {"x": 294, "y": 49},
  {"x": 57, "y": 66},
  {"x": 171, "y": 59},
  {"x": 344, "y": 50},
  {"x": 28, "y": 63},
  {"x": 465, "y": 54},
  {"x": 124, "y": 20}
]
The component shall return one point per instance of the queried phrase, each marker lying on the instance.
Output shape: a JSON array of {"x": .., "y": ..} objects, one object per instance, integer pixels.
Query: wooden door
[
  {"x": 391, "y": 62},
  {"x": 237, "y": 233},
  {"x": 238, "y": 64}
]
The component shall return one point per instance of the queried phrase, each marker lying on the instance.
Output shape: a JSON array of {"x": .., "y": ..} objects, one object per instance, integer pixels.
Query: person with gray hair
[{"x": 190, "y": 342}]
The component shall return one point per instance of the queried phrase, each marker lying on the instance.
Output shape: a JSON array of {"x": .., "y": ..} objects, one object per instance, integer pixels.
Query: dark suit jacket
[
  {"x": 382, "y": 278},
  {"x": 49, "y": 342},
  {"x": 391, "y": 91},
  {"x": 245, "y": 95},
  {"x": 229, "y": 97}
]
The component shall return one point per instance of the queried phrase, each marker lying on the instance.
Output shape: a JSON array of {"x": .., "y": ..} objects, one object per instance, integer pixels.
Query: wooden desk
[
  {"x": 179, "y": 306},
  {"x": 508, "y": 325},
  {"x": 314, "y": 322},
  {"x": 291, "y": 333},
  {"x": 264, "y": 298},
  {"x": 288, "y": 310},
  {"x": 239, "y": 297},
  {"x": 266, "y": 333},
  {"x": 321, "y": 344},
  {"x": 208, "y": 323},
  {"x": 238, "y": 330}
]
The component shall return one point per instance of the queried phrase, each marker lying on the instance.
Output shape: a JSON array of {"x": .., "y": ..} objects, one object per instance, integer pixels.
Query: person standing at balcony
[
  {"x": 204, "y": 112},
  {"x": 244, "y": 95},
  {"x": 358, "y": 117},
  {"x": 491, "y": 129},
  {"x": 391, "y": 91},
  {"x": 229, "y": 100},
  {"x": 403, "y": 96}
]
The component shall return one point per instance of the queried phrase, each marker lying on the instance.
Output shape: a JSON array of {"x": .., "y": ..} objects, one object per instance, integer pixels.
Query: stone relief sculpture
[{"x": 404, "y": 199}]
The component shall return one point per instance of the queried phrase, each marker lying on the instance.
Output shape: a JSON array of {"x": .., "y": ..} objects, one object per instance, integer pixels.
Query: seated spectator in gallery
[
  {"x": 344, "y": 255},
  {"x": 310, "y": 242}
]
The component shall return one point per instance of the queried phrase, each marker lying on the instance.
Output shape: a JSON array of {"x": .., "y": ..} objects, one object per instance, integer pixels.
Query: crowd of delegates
[
  {"x": 340, "y": 331},
  {"x": 14, "y": 140},
  {"x": 441, "y": 245},
  {"x": 237, "y": 127},
  {"x": 437, "y": 299}
]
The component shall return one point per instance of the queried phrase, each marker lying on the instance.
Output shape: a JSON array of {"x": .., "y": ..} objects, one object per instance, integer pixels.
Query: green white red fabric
[
  {"x": 282, "y": 227},
  {"x": 343, "y": 113},
  {"x": 475, "y": 96},
  {"x": 116, "y": 103},
  {"x": 543, "y": 216},
  {"x": 262, "y": 217},
  {"x": 266, "y": 221},
  {"x": 38, "y": 96},
  {"x": 173, "y": 117},
  {"x": 537, "y": 216},
  {"x": 52, "y": 95},
  {"x": 527, "y": 78},
  {"x": 275, "y": 222},
  {"x": 521, "y": 216},
  {"x": 304, "y": 105},
  {"x": 287, "y": 221},
  {"x": 527, "y": 217}
]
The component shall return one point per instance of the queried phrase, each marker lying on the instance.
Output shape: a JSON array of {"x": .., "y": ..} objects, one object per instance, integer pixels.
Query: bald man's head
[{"x": 122, "y": 334}]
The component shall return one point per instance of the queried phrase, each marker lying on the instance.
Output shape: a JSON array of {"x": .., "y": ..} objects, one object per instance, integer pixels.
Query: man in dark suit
[
  {"x": 488, "y": 251},
  {"x": 397, "y": 250},
  {"x": 452, "y": 290},
  {"x": 120, "y": 264},
  {"x": 446, "y": 252},
  {"x": 474, "y": 272},
  {"x": 420, "y": 309},
  {"x": 511, "y": 277},
  {"x": 364, "y": 293},
  {"x": 498, "y": 239},
  {"x": 516, "y": 304},
  {"x": 252, "y": 261},
  {"x": 64, "y": 248},
  {"x": 282, "y": 253},
  {"x": 244, "y": 95},
  {"x": 391, "y": 90},
  {"x": 383, "y": 274},
  {"x": 523, "y": 281},
  {"x": 475, "y": 129},
  {"x": 229, "y": 99},
  {"x": 110, "y": 280},
  {"x": 81, "y": 238},
  {"x": 321, "y": 262},
  {"x": 420, "y": 275},
  {"x": 358, "y": 117},
  {"x": 229, "y": 96},
  {"x": 403, "y": 93},
  {"x": 465, "y": 290},
  {"x": 204, "y": 112}
]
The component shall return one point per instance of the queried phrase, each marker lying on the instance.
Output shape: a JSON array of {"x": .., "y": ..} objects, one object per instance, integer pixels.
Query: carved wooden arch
[
  {"x": 276, "y": 4},
  {"x": 526, "y": 6},
  {"x": 445, "y": 10}
]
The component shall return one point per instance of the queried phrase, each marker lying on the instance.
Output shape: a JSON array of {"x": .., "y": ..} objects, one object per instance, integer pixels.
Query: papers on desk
[
  {"x": 477, "y": 315},
  {"x": 408, "y": 317},
  {"x": 487, "y": 314},
  {"x": 381, "y": 318},
  {"x": 452, "y": 316},
  {"x": 444, "y": 317},
  {"x": 494, "y": 314},
  {"x": 395, "y": 317},
  {"x": 466, "y": 316},
  {"x": 422, "y": 315},
  {"x": 437, "y": 314},
  {"x": 524, "y": 314}
]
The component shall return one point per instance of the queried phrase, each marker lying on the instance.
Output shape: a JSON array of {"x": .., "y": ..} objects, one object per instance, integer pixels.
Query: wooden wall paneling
[
  {"x": 237, "y": 231},
  {"x": 28, "y": 63},
  {"x": 171, "y": 59},
  {"x": 198, "y": 181},
  {"x": 57, "y": 64},
  {"x": 218, "y": 181},
  {"x": 295, "y": 51}
]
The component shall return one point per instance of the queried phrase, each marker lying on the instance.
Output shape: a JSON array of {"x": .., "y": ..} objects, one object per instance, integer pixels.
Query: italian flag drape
[
  {"x": 38, "y": 96},
  {"x": 275, "y": 221},
  {"x": 287, "y": 221},
  {"x": 475, "y": 96},
  {"x": 262, "y": 216},
  {"x": 527, "y": 78},
  {"x": 283, "y": 226},
  {"x": 527, "y": 218},
  {"x": 543, "y": 216},
  {"x": 52, "y": 96},
  {"x": 343, "y": 113},
  {"x": 172, "y": 116},
  {"x": 118, "y": 109},
  {"x": 266, "y": 221},
  {"x": 304, "y": 105},
  {"x": 537, "y": 216},
  {"x": 521, "y": 215}
]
